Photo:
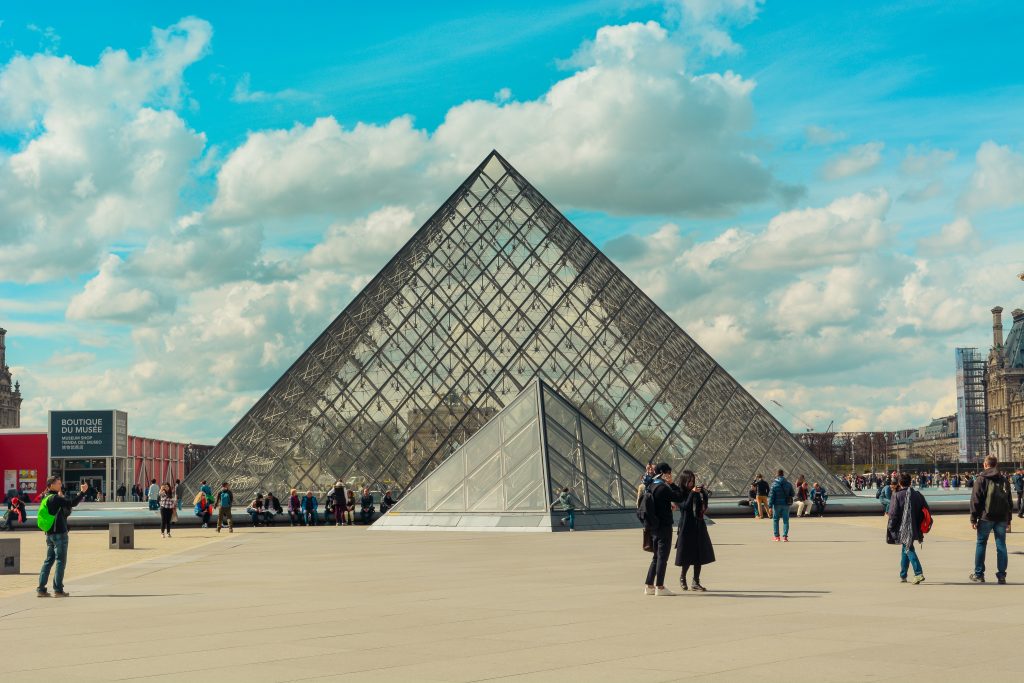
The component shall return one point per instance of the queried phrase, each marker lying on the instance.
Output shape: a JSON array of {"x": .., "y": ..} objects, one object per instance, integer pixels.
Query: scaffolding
[{"x": 972, "y": 422}]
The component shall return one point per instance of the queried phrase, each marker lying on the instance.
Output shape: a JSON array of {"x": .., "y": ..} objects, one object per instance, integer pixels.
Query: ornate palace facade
[
  {"x": 1005, "y": 388},
  {"x": 10, "y": 394}
]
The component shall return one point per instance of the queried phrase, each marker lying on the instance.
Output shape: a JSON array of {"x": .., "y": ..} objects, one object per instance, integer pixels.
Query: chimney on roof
[{"x": 997, "y": 327}]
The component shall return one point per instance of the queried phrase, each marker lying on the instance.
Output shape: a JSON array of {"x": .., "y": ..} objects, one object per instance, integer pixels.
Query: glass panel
[
  {"x": 560, "y": 412},
  {"x": 522, "y": 481},
  {"x": 456, "y": 502},
  {"x": 483, "y": 479},
  {"x": 492, "y": 501},
  {"x": 519, "y": 413},
  {"x": 445, "y": 478},
  {"x": 483, "y": 444},
  {"x": 598, "y": 446},
  {"x": 521, "y": 446},
  {"x": 600, "y": 478},
  {"x": 533, "y": 500},
  {"x": 414, "y": 501}
]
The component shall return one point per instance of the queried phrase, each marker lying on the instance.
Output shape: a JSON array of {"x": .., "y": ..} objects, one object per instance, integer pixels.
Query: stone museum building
[{"x": 1005, "y": 388}]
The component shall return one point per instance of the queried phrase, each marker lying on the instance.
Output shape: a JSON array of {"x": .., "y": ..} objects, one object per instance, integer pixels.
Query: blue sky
[{"x": 828, "y": 196}]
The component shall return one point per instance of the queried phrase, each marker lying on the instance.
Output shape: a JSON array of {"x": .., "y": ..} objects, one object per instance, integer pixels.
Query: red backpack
[{"x": 926, "y": 521}]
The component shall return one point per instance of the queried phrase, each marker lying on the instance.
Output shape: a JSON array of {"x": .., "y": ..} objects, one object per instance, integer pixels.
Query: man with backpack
[
  {"x": 909, "y": 521},
  {"x": 655, "y": 511},
  {"x": 780, "y": 498},
  {"x": 52, "y": 519},
  {"x": 991, "y": 513}
]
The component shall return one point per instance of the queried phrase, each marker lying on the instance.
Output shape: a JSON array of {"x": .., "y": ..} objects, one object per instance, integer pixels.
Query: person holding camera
[
  {"x": 658, "y": 521},
  {"x": 693, "y": 542},
  {"x": 52, "y": 518}
]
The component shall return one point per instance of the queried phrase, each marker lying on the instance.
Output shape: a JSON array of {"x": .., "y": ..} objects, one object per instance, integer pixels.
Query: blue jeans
[
  {"x": 154, "y": 505},
  {"x": 780, "y": 512},
  {"x": 56, "y": 551},
  {"x": 908, "y": 557},
  {"x": 570, "y": 517},
  {"x": 984, "y": 529}
]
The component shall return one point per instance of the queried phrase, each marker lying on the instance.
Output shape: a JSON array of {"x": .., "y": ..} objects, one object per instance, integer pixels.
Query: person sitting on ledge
[
  {"x": 15, "y": 513},
  {"x": 387, "y": 502},
  {"x": 255, "y": 509},
  {"x": 366, "y": 506},
  {"x": 308, "y": 503},
  {"x": 271, "y": 507},
  {"x": 818, "y": 499},
  {"x": 203, "y": 508}
]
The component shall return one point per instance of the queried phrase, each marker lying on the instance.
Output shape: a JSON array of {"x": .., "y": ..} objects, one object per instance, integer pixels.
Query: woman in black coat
[{"x": 693, "y": 542}]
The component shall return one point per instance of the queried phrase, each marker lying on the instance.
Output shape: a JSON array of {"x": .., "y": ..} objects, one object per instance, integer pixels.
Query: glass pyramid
[
  {"x": 508, "y": 473},
  {"x": 495, "y": 290}
]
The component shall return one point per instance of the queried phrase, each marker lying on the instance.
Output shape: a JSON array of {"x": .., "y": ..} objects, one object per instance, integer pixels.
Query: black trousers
[
  {"x": 165, "y": 519},
  {"x": 662, "y": 540},
  {"x": 1020, "y": 502}
]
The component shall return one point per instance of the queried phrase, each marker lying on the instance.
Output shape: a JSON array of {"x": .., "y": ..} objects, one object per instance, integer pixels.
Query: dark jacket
[
  {"x": 60, "y": 507},
  {"x": 17, "y": 510},
  {"x": 693, "y": 542},
  {"x": 896, "y": 506},
  {"x": 979, "y": 496},
  {"x": 780, "y": 492},
  {"x": 664, "y": 495},
  {"x": 762, "y": 487}
]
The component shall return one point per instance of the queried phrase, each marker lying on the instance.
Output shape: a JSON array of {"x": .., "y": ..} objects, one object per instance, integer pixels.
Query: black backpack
[
  {"x": 646, "y": 511},
  {"x": 997, "y": 499}
]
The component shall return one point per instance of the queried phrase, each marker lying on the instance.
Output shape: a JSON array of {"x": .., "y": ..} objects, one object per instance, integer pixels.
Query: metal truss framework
[{"x": 495, "y": 289}]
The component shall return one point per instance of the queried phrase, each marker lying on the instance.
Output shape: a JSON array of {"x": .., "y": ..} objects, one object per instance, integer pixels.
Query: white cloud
[
  {"x": 997, "y": 181},
  {"x": 630, "y": 131},
  {"x": 707, "y": 22},
  {"x": 958, "y": 235},
  {"x": 925, "y": 161},
  {"x": 819, "y": 135},
  {"x": 858, "y": 159},
  {"x": 243, "y": 94},
  {"x": 105, "y": 153},
  {"x": 319, "y": 168},
  {"x": 102, "y": 299}
]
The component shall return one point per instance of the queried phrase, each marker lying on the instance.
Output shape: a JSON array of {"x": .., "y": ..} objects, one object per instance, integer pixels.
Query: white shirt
[{"x": 154, "y": 492}]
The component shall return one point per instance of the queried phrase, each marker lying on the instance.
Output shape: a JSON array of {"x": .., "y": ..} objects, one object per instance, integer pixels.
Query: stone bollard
[
  {"x": 10, "y": 555},
  {"x": 122, "y": 536}
]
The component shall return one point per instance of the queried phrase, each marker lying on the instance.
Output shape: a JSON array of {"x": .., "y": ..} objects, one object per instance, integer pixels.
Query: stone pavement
[{"x": 350, "y": 604}]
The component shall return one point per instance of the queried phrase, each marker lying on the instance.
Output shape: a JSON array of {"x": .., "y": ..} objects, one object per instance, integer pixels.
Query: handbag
[
  {"x": 648, "y": 541},
  {"x": 174, "y": 515}
]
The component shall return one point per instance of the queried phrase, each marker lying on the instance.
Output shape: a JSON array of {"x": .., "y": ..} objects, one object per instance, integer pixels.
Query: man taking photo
[{"x": 52, "y": 518}]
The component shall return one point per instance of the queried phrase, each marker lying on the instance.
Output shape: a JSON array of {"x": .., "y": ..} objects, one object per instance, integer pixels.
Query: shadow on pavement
[
  {"x": 781, "y": 595},
  {"x": 132, "y": 595}
]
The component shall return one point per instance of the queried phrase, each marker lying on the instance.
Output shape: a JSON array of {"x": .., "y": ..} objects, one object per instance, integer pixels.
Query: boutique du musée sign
[{"x": 87, "y": 433}]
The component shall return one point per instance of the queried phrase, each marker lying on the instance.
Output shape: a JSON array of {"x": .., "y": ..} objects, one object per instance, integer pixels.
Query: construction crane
[{"x": 795, "y": 417}]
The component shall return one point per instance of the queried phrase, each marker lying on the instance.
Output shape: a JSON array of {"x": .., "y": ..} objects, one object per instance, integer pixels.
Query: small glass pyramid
[{"x": 508, "y": 473}]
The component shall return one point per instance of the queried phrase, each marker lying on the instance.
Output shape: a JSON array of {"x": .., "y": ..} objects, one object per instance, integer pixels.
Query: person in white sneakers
[{"x": 656, "y": 508}]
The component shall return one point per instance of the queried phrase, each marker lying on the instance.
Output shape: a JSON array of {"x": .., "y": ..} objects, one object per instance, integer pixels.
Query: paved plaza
[{"x": 350, "y": 604}]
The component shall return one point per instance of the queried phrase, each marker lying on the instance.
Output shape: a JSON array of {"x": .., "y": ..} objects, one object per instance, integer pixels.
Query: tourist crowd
[{"x": 909, "y": 517}]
